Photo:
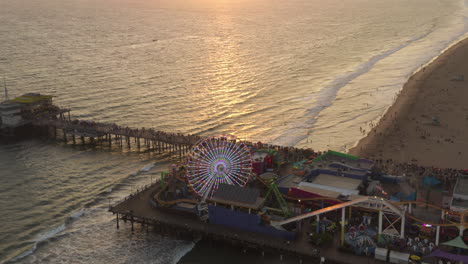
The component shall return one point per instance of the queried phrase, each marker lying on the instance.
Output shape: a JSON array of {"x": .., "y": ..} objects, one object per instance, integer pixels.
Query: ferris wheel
[{"x": 215, "y": 160}]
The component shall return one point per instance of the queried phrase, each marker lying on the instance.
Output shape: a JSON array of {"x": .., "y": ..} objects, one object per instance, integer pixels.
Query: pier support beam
[{"x": 117, "y": 218}]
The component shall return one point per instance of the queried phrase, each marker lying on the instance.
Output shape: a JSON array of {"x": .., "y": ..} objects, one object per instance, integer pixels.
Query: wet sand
[{"x": 428, "y": 123}]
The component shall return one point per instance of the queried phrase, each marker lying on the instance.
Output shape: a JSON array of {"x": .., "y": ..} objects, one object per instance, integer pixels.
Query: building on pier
[
  {"x": 23, "y": 110},
  {"x": 460, "y": 194}
]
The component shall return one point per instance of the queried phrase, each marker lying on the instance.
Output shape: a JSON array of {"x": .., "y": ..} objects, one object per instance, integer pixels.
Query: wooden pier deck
[
  {"x": 141, "y": 208},
  {"x": 90, "y": 132}
]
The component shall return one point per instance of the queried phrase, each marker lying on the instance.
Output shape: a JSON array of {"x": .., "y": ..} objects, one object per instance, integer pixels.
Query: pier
[
  {"x": 94, "y": 133},
  {"x": 246, "y": 218},
  {"x": 86, "y": 132},
  {"x": 142, "y": 208},
  {"x": 34, "y": 114}
]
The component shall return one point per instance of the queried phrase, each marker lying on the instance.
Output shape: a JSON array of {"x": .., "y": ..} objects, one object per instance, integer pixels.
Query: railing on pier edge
[
  {"x": 96, "y": 129},
  {"x": 153, "y": 139}
]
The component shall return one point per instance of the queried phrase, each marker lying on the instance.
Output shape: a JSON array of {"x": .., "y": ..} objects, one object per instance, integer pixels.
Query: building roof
[
  {"x": 31, "y": 98},
  {"x": 461, "y": 187},
  {"x": 236, "y": 193},
  {"x": 269, "y": 176},
  {"x": 289, "y": 181},
  {"x": 237, "y": 196},
  {"x": 259, "y": 156},
  {"x": 335, "y": 184},
  {"x": 456, "y": 242},
  {"x": 319, "y": 191},
  {"x": 343, "y": 158},
  {"x": 337, "y": 181},
  {"x": 459, "y": 205},
  {"x": 9, "y": 105}
]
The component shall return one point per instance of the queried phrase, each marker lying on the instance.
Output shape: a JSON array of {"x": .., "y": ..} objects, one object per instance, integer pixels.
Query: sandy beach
[{"x": 428, "y": 123}]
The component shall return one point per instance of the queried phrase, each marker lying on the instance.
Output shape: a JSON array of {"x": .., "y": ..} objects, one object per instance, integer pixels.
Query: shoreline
[{"x": 426, "y": 122}]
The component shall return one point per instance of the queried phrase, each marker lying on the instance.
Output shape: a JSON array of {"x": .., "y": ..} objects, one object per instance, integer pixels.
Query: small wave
[
  {"x": 40, "y": 238},
  {"x": 48, "y": 234},
  {"x": 77, "y": 214},
  {"x": 148, "y": 167},
  {"x": 24, "y": 254},
  {"x": 298, "y": 132},
  {"x": 183, "y": 251}
]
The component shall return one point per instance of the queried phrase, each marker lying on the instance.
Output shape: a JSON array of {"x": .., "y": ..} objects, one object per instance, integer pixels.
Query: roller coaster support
[
  {"x": 343, "y": 212},
  {"x": 402, "y": 228}
]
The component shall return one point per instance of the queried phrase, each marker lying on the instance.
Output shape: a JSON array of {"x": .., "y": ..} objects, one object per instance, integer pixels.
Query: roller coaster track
[
  {"x": 462, "y": 214},
  {"x": 398, "y": 204}
]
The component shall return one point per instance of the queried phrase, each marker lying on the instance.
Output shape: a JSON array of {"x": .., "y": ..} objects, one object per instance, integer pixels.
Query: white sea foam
[
  {"x": 50, "y": 233},
  {"x": 297, "y": 132},
  {"x": 77, "y": 214},
  {"x": 413, "y": 54},
  {"x": 26, "y": 253},
  {"x": 183, "y": 251},
  {"x": 41, "y": 237},
  {"x": 148, "y": 167}
]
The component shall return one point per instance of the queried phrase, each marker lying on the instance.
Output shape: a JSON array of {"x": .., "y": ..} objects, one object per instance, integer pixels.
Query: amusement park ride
[
  {"x": 222, "y": 160},
  {"x": 216, "y": 160}
]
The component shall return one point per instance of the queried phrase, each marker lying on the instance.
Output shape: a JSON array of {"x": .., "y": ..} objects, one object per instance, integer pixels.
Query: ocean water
[{"x": 306, "y": 73}]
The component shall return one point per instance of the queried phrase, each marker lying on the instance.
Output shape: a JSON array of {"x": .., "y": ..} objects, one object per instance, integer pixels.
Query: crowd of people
[
  {"x": 91, "y": 127},
  {"x": 445, "y": 176}
]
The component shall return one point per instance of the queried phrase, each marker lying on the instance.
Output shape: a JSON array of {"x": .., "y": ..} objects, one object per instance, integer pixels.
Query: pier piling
[{"x": 117, "y": 220}]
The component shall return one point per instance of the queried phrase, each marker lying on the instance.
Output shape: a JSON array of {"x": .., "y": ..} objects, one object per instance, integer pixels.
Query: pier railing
[
  {"x": 91, "y": 132},
  {"x": 79, "y": 127}
]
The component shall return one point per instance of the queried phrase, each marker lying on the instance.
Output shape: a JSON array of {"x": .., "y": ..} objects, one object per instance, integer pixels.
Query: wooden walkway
[
  {"x": 141, "y": 208},
  {"x": 90, "y": 132},
  {"x": 93, "y": 133}
]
